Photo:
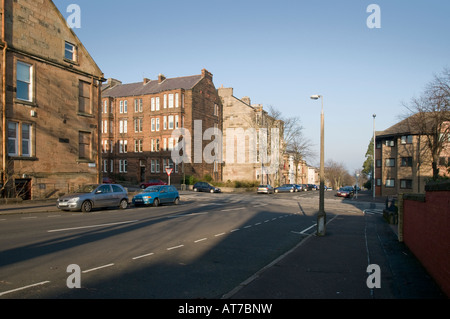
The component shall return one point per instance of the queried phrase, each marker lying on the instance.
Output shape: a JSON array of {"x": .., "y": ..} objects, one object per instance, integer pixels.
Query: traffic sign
[{"x": 169, "y": 171}]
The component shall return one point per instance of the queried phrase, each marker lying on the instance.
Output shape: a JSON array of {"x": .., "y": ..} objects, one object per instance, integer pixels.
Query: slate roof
[
  {"x": 152, "y": 87},
  {"x": 410, "y": 126}
]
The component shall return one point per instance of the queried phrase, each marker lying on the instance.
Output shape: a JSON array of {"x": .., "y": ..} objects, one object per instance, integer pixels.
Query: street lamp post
[
  {"x": 374, "y": 147},
  {"x": 321, "y": 216}
]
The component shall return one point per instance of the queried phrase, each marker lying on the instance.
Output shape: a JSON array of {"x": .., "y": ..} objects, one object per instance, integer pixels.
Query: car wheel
[
  {"x": 123, "y": 204},
  {"x": 156, "y": 202},
  {"x": 176, "y": 201},
  {"x": 86, "y": 207}
]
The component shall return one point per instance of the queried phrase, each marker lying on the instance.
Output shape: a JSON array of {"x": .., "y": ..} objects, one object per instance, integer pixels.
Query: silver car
[{"x": 94, "y": 196}]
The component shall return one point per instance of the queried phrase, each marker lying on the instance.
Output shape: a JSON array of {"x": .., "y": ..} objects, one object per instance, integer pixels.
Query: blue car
[{"x": 156, "y": 195}]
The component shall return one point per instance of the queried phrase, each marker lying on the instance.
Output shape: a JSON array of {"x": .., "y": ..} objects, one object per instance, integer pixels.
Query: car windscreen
[{"x": 152, "y": 189}]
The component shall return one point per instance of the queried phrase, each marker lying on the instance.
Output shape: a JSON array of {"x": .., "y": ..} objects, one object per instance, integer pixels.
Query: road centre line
[
  {"x": 175, "y": 247},
  {"x": 92, "y": 226},
  {"x": 142, "y": 256},
  {"x": 231, "y": 209},
  {"x": 24, "y": 287},
  {"x": 199, "y": 240},
  {"x": 97, "y": 268}
]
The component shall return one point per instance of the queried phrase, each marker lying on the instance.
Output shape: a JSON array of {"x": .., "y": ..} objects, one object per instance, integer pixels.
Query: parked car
[
  {"x": 299, "y": 187},
  {"x": 264, "y": 189},
  {"x": 156, "y": 195},
  {"x": 108, "y": 180},
  {"x": 285, "y": 188},
  {"x": 346, "y": 191},
  {"x": 94, "y": 196},
  {"x": 205, "y": 187},
  {"x": 152, "y": 182}
]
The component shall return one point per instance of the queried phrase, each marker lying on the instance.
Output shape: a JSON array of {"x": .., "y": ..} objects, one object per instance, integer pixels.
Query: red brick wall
[{"x": 426, "y": 232}]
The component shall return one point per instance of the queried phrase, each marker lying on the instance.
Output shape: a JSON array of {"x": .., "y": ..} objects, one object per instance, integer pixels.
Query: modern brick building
[
  {"x": 403, "y": 160},
  {"x": 243, "y": 150},
  {"x": 51, "y": 90},
  {"x": 140, "y": 122}
]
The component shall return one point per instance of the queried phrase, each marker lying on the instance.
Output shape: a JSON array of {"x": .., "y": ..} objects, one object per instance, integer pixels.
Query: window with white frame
[
  {"x": 171, "y": 139},
  {"x": 170, "y": 122},
  {"x": 123, "y": 126},
  {"x": 125, "y": 106},
  {"x": 112, "y": 166},
  {"x": 157, "y": 164},
  {"x": 157, "y": 106},
  {"x": 123, "y": 166},
  {"x": 121, "y": 107},
  {"x": 171, "y": 101},
  {"x": 13, "y": 139},
  {"x": 123, "y": 146},
  {"x": 157, "y": 124},
  {"x": 153, "y": 125},
  {"x": 165, "y": 123},
  {"x": 70, "y": 52},
  {"x": 177, "y": 100},
  {"x": 165, "y": 101},
  {"x": 138, "y": 146},
  {"x": 152, "y": 166},
  {"x": 152, "y": 104},
  {"x": 177, "y": 123}
]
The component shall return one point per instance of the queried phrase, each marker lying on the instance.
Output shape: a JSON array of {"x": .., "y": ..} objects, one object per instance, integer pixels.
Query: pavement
[{"x": 333, "y": 266}]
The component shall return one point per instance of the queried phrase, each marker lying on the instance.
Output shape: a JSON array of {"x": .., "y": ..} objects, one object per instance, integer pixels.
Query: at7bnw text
[{"x": 231, "y": 308}]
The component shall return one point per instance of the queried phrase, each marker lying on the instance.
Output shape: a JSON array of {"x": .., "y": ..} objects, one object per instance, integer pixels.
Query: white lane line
[
  {"x": 217, "y": 235},
  {"x": 175, "y": 247},
  {"x": 25, "y": 287},
  {"x": 248, "y": 226},
  {"x": 97, "y": 268},
  {"x": 232, "y": 231},
  {"x": 142, "y": 256},
  {"x": 257, "y": 224},
  {"x": 49, "y": 216},
  {"x": 91, "y": 226},
  {"x": 199, "y": 240},
  {"x": 28, "y": 217}
]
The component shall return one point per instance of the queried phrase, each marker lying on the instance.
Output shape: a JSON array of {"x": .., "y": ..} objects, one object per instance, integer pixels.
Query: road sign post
[{"x": 169, "y": 172}]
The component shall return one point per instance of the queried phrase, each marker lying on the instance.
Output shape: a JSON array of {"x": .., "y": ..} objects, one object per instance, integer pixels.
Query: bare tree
[
  {"x": 429, "y": 118},
  {"x": 295, "y": 143},
  {"x": 337, "y": 174}
]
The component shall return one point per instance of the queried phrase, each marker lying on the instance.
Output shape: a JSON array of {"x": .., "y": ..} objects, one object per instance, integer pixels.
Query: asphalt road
[{"x": 202, "y": 248}]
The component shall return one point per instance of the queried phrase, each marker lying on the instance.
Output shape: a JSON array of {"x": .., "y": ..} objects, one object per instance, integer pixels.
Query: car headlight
[
  {"x": 73, "y": 200},
  {"x": 147, "y": 197}
]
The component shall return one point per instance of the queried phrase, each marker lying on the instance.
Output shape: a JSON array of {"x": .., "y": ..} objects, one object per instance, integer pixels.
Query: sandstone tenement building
[
  {"x": 50, "y": 101},
  {"x": 138, "y": 122}
]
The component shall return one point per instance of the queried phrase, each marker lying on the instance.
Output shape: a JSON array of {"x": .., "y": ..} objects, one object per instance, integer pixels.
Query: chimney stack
[{"x": 161, "y": 78}]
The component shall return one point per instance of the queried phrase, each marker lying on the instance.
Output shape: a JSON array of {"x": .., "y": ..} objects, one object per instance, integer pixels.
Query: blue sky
[{"x": 281, "y": 52}]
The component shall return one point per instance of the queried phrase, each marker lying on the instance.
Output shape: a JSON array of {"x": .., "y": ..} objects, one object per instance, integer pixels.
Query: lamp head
[{"x": 315, "y": 97}]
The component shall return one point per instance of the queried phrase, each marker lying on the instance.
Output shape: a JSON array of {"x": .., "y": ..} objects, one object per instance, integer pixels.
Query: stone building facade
[
  {"x": 51, "y": 90},
  {"x": 246, "y": 156},
  {"x": 142, "y": 123}
]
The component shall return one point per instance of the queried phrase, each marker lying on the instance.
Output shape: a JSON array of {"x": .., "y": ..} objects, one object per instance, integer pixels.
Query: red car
[
  {"x": 108, "y": 180},
  {"x": 152, "y": 182}
]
